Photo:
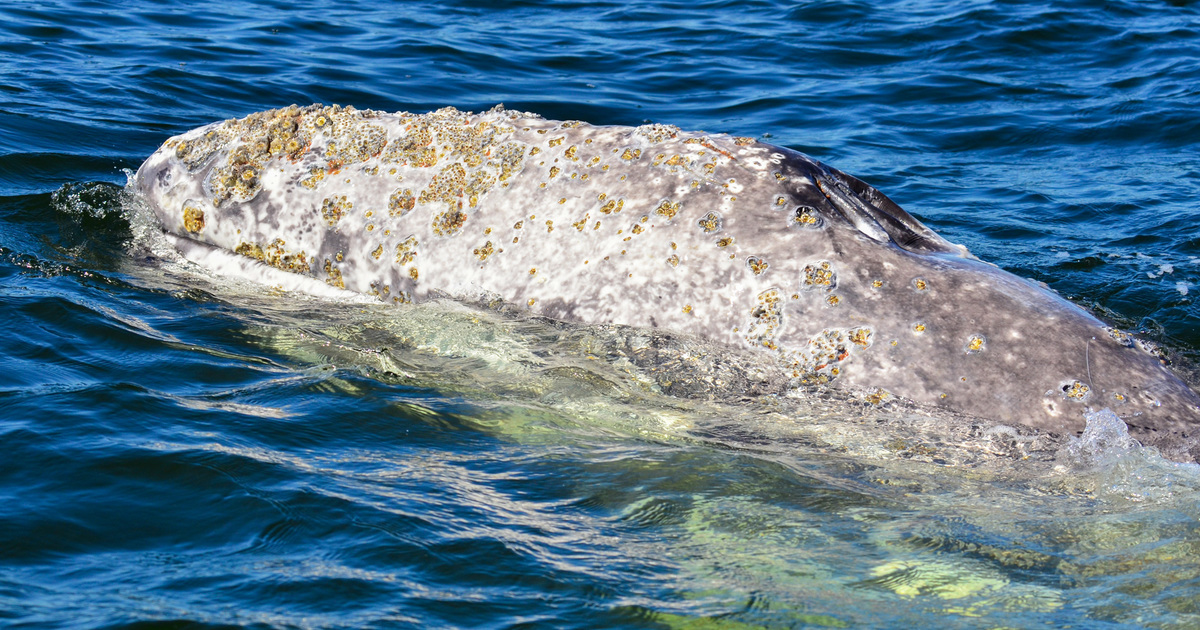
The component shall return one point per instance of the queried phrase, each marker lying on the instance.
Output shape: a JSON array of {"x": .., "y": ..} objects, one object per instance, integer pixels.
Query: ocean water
[{"x": 182, "y": 450}]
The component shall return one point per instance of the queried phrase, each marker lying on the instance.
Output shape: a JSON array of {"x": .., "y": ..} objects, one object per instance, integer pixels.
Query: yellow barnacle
[
  {"x": 819, "y": 275},
  {"x": 861, "y": 337},
  {"x": 407, "y": 250},
  {"x": 710, "y": 223},
  {"x": 484, "y": 251},
  {"x": 806, "y": 216},
  {"x": 613, "y": 205},
  {"x": 401, "y": 202},
  {"x": 1076, "y": 390},
  {"x": 667, "y": 209},
  {"x": 193, "y": 218}
]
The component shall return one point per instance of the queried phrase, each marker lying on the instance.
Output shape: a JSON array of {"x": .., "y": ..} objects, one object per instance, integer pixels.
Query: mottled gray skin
[{"x": 811, "y": 267}]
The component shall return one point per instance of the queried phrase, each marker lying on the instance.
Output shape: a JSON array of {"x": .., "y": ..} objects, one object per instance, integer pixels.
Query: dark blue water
[{"x": 181, "y": 451}]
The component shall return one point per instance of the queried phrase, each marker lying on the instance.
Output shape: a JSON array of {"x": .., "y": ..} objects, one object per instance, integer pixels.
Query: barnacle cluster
[
  {"x": 256, "y": 139},
  {"x": 711, "y": 222},
  {"x": 757, "y": 264},
  {"x": 806, "y": 217},
  {"x": 276, "y": 255},
  {"x": 657, "y": 133},
  {"x": 334, "y": 208},
  {"x": 766, "y": 318},
  {"x": 667, "y": 209},
  {"x": 821, "y": 359},
  {"x": 406, "y": 251},
  {"x": 1076, "y": 390},
  {"x": 193, "y": 217},
  {"x": 818, "y": 275}
]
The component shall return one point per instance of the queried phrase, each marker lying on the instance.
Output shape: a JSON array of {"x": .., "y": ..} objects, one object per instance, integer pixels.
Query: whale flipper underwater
[{"x": 722, "y": 237}]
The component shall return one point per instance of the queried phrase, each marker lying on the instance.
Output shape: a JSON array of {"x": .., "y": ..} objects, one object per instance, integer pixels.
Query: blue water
[{"x": 181, "y": 451}]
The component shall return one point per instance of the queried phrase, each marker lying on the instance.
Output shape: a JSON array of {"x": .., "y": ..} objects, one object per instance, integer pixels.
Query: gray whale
[{"x": 723, "y": 237}]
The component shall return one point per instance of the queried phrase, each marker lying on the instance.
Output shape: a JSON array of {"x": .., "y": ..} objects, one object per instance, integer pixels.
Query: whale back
[{"x": 722, "y": 237}]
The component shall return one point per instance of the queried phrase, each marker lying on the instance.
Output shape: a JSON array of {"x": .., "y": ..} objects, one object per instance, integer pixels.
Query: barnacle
[
  {"x": 806, "y": 217},
  {"x": 711, "y": 223},
  {"x": 193, "y": 217},
  {"x": 819, "y": 275}
]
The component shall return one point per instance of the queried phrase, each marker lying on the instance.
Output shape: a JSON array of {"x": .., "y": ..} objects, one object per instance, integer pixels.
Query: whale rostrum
[{"x": 722, "y": 237}]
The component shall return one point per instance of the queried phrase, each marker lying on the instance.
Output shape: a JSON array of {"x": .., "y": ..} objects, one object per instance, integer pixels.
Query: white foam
[
  {"x": 1104, "y": 438},
  {"x": 1106, "y": 462}
]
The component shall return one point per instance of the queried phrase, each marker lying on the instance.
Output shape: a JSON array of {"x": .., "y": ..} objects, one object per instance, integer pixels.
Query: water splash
[
  {"x": 1104, "y": 439},
  {"x": 1105, "y": 462}
]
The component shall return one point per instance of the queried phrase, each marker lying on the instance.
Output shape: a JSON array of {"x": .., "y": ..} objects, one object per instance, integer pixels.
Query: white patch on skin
[{"x": 233, "y": 265}]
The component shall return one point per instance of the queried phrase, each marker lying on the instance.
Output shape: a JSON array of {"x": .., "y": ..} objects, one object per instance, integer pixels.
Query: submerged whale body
[{"x": 723, "y": 237}]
